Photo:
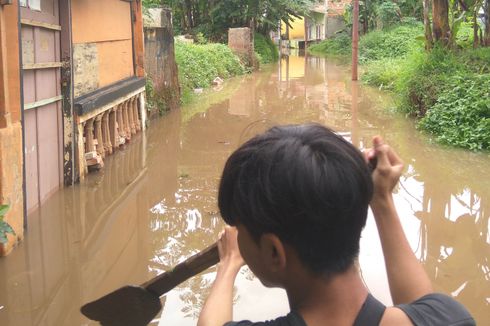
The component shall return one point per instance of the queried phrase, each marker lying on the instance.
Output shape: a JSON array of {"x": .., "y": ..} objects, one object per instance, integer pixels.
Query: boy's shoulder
[
  {"x": 291, "y": 319},
  {"x": 432, "y": 309},
  {"x": 437, "y": 309}
]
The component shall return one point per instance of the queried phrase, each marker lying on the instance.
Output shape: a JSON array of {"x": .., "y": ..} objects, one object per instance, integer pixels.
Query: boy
[{"x": 298, "y": 197}]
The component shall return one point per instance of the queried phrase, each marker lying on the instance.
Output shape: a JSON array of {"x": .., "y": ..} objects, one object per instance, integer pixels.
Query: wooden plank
[
  {"x": 34, "y": 23},
  {"x": 44, "y": 102},
  {"x": 42, "y": 65}
]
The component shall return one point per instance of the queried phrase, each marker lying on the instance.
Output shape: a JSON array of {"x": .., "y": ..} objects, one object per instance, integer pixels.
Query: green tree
[{"x": 214, "y": 17}]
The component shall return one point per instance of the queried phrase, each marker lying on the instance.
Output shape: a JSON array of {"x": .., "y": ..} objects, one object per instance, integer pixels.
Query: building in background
[
  {"x": 323, "y": 21},
  {"x": 71, "y": 92}
]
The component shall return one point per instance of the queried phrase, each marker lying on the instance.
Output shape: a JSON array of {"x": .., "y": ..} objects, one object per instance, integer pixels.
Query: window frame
[{"x": 31, "y": 4}]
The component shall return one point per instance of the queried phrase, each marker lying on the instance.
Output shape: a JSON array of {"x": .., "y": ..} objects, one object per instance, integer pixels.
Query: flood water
[{"x": 154, "y": 204}]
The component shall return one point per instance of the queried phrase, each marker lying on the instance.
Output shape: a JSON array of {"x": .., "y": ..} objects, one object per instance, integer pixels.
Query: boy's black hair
[{"x": 307, "y": 185}]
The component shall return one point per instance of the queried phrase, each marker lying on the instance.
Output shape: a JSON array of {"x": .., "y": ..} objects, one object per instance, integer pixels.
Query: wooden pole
[{"x": 355, "y": 39}]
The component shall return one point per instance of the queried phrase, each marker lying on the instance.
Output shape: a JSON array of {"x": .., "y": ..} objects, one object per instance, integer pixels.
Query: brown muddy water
[{"x": 154, "y": 204}]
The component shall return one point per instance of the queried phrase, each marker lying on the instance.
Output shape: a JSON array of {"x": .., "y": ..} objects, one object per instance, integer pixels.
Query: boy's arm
[
  {"x": 218, "y": 308},
  {"x": 407, "y": 278}
]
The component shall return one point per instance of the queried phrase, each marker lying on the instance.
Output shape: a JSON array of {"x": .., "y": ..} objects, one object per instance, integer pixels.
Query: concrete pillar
[
  {"x": 11, "y": 160},
  {"x": 240, "y": 42},
  {"x": 136, "y": 114},
  {"x": 138, "y": 38},
  {"x": 89, "y": 136},
  {"x": 98, "y": 135},
  {"x": 120, "y": 123},
  {"x": 106, "y": 135},
  {"x": 127, "y": 127},
  {"x": 114, "y": 135},
  {"x": 132, "y": 126}
]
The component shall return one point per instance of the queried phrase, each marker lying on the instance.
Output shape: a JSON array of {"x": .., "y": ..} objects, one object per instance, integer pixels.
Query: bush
[
  {"x": 477, "y": 60},
  {"x": 388, "y": 14},
  {"x": 266, "y": 49},
  {"x": 382, "y": 73},
  {"x": 199, "y": 65},
  {"x": 396, "y": 42},
  {"x": 393, "y": 43},
  {"x": 422, "y": 78},
  {"x": 340, "y": 45},
  {"x": 461, "y": 114}
]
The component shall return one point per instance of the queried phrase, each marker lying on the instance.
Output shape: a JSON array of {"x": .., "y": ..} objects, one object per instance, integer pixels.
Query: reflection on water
[{"x": 154, "y": 204}]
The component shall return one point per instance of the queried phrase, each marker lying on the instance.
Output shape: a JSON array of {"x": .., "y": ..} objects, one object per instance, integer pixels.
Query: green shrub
[
  {"x": 464, "y": 35},
  {"x": 477, "y": 60},
  {"x": 5, "y": 228},
  {"x": 266, "y": 49},
  {"x": 340, "y": 45},
  {"x": 199, "y": 65},
  {"x": 461, "y": 114},
  {"x": 382, "y": 73},
  {"x": 393, "y": 43},
  {"x": 388, "y": 14},
  {"x": 422, "y": 78}
]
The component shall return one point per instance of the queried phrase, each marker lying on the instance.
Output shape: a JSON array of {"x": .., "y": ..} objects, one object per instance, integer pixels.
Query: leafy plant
[
  {"x": 396, "y": 42},
  {"x": 340, "y": 45},
  {"x": 5, "y": 228},
  {"x": 199, "y": 65},
  {"x": 461, "y": 114},
  {"x": 266, "y": 49}
]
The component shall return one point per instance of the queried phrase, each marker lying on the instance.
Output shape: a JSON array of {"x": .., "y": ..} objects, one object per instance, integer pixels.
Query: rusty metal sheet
[
  {"x": 48, "y": 122},
  {"x": 32, "y": 186},
  {"x": 46, "y": 49},
  {"x": 43, "y": 127},
  {"x": 46, "y": 84}
]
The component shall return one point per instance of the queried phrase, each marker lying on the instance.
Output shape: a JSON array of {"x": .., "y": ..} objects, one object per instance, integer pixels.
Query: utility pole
[{"x": 355, "y": 39}]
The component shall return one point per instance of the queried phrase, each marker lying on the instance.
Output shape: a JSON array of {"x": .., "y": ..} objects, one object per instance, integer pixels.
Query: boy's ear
[{"x": 272, "y": 252}]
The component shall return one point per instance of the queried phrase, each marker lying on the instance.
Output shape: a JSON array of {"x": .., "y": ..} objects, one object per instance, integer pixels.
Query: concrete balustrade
[{"x": 106, "y": 130}]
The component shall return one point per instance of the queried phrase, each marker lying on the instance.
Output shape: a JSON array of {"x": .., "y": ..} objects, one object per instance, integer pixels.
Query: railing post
[
  {"x": 106, "y": 135},
  {"x": 98, "y": 136},
  {"x": 120, "y": 123}
]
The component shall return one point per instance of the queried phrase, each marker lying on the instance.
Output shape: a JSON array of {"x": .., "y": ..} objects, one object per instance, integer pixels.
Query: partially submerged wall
[
  {"x": 241, "y": 43},
  {"x": 102, "y": 44},
  {"x": 11, "y": 161},
  {"x": 160, "y": 63}
]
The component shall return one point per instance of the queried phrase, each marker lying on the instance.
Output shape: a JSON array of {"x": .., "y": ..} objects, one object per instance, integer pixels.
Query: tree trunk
[
  {"x": 440, "y": 21},
  {"x": 487, "y": 23},
  {"x": 188, "y": 13},
  {"x": 475, "y": 28},
  {"x": 427, "y": 29}
]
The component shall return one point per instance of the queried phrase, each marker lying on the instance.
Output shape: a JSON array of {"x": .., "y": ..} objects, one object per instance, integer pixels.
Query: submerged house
[
  {"x": 324, "y": 20},
  {"x": 71, "y": 92}
]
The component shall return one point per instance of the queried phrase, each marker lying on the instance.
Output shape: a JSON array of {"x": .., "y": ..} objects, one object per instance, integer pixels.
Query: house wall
[
  {"x": 102, "y": 44},
  {"x": 11, "y": 162},
  {"x": 337, "y": 7},
  {"x": 297, "y": 31}
]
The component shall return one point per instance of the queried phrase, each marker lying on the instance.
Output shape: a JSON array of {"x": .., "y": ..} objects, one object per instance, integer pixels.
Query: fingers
[{"x": 387, "y": 158}]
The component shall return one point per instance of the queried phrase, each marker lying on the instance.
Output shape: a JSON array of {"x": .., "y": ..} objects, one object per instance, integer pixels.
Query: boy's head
[{"x": 305, "y": 184}]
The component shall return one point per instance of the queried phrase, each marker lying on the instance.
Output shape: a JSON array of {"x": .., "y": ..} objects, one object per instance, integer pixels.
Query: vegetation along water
[{"x": 442, "y": 81}]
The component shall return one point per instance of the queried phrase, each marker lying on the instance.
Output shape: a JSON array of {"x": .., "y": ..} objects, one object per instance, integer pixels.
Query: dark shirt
[{"x": 431, "y": 310}]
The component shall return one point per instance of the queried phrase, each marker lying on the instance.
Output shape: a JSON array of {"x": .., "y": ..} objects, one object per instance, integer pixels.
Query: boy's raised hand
[
  {"x": 388, "y": 169},
  {"x": 229, "y": 253}
]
